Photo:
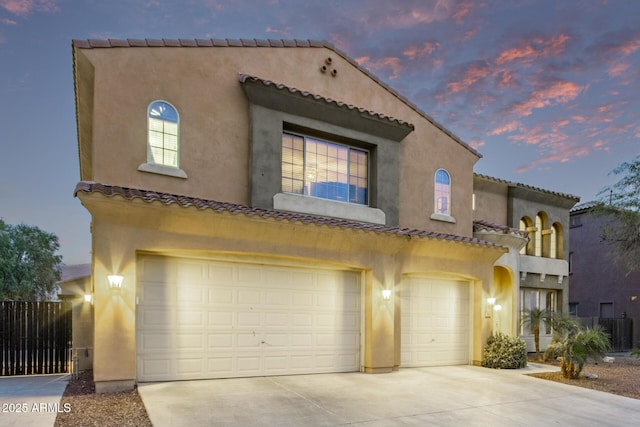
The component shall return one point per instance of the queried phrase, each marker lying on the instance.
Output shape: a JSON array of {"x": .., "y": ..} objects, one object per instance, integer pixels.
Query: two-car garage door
[{"x": 209, "y": 319}]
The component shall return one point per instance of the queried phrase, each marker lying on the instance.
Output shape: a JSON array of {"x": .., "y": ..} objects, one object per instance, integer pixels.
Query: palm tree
[
  {"x": 535, "y": 316},
  {"x": 576, "y": 345}
]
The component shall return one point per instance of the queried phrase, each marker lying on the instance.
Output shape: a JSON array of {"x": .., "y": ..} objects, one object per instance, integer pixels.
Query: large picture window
[{"x": 323, "y": 169}]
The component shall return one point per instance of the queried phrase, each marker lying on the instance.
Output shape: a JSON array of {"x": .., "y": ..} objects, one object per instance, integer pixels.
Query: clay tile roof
[
  {"x": 90, "y": 44},
  {"x": 585, "y": 206},
  {"x": 244, "y": 78},
  {"x": 236, "y": 209},
  {"x": 518, "y": 184},
  {"x": 486, "y": 226}
]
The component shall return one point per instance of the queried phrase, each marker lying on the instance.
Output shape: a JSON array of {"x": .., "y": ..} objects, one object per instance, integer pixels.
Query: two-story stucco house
[{"x": 266, "y": 207}]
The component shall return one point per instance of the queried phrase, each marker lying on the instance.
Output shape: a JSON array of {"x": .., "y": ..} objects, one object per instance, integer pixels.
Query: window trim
[{"x": 159, "y": 168}]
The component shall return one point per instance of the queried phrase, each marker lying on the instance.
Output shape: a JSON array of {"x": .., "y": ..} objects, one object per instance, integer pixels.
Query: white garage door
[
  {"x": 435, "y": 322},
  {"x": 203, "y": 319}
]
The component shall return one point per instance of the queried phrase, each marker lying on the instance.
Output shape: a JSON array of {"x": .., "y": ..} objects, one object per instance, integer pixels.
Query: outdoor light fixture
[
  {"x": 115, "y": 281},
  {"x": 386, "y": 294},
  {"x": 491, "y": 305},
  {"x": 87, "y": 297}
]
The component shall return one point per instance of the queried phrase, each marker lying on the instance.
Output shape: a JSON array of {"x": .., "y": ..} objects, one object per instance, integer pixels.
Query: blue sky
[{"x": 548, "y": 91}]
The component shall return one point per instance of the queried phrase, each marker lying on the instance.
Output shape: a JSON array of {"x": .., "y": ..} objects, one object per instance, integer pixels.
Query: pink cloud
[
  {"x": 476, "y": 143},
  {"x": 8, "y": 21},
  {"x": 463, "y": 9},
  {"x": 618, "y": 69},
  {"x": 470, "y": 34},
  {"x": 506, "y": 79},
  {"x": 629, "y": 46},
  {"x": 562, "y": 155},
  {"x": 281, "y": 32},
  {"x": 558, "y": 92},
  {"x": 474, "y": 73},
  {"x": 25, "y": 7},
  {"x": 427, "y": 48},
  {"x": 507, "y": 128},
  {"x": 534, "y": 49},
  {"x": 391, "y": 62}
]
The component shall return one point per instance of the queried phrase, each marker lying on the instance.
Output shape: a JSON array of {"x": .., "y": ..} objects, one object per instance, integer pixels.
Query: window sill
[
  {"x": 330, "y": 208},
  {"x": 443, "y": 217},
  {"x": 162, "y": 170}
]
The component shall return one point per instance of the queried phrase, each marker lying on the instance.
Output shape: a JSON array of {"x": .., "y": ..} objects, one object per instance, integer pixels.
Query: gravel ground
[
  {"x": 620, "y": 377},
  {"x": 126, "y": 408},
  {"x": 108, "y": 409}
]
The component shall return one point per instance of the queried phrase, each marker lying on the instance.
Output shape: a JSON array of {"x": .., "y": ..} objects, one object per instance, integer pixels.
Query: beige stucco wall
[
  {"x": 81, "y": 320},
  {"x": 124, "y": 229},
  {"x": 202, "y": 84},
  {"x": 491, "y": 200}
]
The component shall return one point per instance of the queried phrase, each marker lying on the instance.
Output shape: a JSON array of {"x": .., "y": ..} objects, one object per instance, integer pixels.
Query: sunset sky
[{"x": 548, "y": 91}]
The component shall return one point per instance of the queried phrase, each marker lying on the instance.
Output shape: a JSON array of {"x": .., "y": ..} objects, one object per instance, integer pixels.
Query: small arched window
[
  {"x": 442, "y": 192},
  {"x": 526, "y": 225},
  {"x": 162, "y": 148},
  {"x": 556, "y": 242},
  {"x": 537, "y": 245}
]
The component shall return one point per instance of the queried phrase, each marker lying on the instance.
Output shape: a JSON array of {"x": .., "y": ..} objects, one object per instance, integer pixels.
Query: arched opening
[{"x": 504, "y": 306}]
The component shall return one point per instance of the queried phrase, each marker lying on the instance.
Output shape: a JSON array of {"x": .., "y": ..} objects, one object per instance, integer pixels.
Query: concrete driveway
[
  {"x": 441, "y": 396},
  {"x": 31, "y": 401}
]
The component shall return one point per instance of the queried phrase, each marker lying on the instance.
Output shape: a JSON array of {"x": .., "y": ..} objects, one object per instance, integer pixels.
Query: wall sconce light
[
  {"x": 490, "y": 307},
  {"x": 87, "y": 298},
  {"x": 497, "y": 307},
  {"x": 115, "y": 281},
  {"x": 386, "y": 294}
]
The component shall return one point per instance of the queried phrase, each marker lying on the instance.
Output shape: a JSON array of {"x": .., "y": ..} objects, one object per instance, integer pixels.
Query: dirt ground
[{"x": 126, "y": 408}]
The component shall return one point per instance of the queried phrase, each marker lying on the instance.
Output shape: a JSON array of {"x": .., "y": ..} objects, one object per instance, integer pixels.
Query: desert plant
[
  {"x": 534, "y": 317},
  {"x": 505, "y": 352},
  {"x": 576, "y": 345}
]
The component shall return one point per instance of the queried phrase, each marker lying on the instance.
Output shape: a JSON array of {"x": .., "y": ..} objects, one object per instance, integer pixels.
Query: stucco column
[
  {"x": 114, "y": 367},
  {"x": 379, "y": 313}
]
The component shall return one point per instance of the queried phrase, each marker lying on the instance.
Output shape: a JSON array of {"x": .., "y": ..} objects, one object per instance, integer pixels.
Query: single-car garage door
[
  {"x": 435, "y": 322},
  {"x": 208, "y": 319}
]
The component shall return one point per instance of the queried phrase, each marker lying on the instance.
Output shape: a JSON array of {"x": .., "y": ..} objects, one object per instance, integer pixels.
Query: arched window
[
  {"x": 537, "y": 245},
  {"x": 556, "y": 242},
  {"x": 442, "y": 192},
  {"x": 527, "y": 225},
  {"x": 163, "y": 144}
]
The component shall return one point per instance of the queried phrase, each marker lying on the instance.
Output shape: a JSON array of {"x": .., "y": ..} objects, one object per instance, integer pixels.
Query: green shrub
[{"x": 505, "y": 352}]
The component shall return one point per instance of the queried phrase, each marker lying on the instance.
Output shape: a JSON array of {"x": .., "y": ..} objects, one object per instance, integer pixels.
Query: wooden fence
[
  {"x": 620, "y": 331},
  {"x": 35, "y": 337}
]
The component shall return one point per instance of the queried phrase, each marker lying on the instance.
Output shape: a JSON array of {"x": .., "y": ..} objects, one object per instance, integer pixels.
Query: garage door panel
[
  {"x": 249, "y": 274},
  {"x": 192, "y": 272},
  {"x": 191, "y": 294},
  {"x": 220, "y": 318},
  {"x": 194, "y": 317},
  {"x": 435, "y": 321},
  {"x": 220, "y": 273}
]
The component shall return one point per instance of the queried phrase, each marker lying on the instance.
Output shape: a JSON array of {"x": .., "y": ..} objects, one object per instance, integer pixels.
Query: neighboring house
[
  {"x": 538, "y": 259},
  {"x": 599, "y": 288},
  {"x": 270, "y": 207},
  {"x": 75, "y": 286}
]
